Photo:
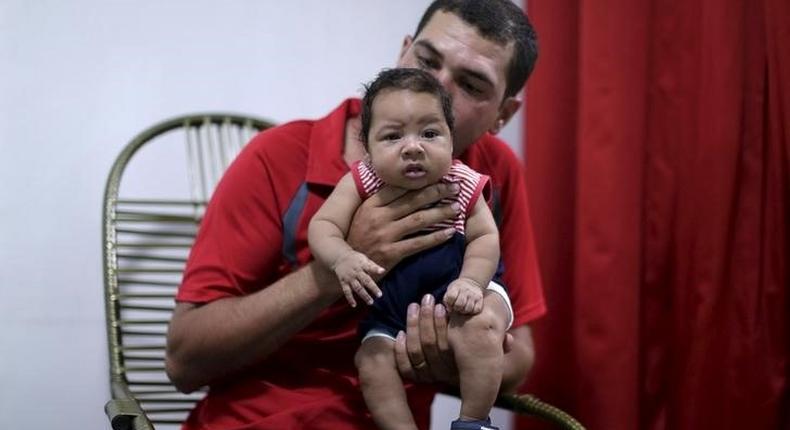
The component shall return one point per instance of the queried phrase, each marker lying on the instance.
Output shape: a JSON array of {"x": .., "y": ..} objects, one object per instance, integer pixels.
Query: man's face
[{"x": 471, "y": 68}]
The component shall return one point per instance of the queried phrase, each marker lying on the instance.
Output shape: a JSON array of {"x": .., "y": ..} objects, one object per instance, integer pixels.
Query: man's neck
[{"x": 353, "y": 148}]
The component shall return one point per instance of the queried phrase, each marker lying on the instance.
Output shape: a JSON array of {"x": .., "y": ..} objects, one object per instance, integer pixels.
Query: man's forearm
[
  {"x": 518, "y": 361},
  {"x": 219, "y": 338}
]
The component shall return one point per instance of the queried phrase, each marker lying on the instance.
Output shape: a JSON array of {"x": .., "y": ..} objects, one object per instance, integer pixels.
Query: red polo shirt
[{"x": 255, "y": 231}]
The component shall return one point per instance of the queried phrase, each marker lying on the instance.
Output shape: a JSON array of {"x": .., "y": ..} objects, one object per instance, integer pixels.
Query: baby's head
[{"x": 407, "y": 126}]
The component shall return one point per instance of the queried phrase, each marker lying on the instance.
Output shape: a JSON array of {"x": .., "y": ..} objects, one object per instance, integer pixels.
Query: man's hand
[
  {"x": 423, "y": 353},
  {"x": 354, "y": 271},
  {"x": 464, "y": 296},
  {"x": 382, "y": 221}
]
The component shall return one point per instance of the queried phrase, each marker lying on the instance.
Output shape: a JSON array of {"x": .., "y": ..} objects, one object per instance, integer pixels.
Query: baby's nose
[{"x": 412, "y": 148}]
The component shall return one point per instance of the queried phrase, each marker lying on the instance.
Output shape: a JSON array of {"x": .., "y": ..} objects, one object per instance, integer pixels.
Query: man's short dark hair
[
  {"x": 502, "y": 22},
  {"x": 414, "y": 80}
]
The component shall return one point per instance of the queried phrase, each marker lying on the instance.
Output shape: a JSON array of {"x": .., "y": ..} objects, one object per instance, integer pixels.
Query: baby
[{"x": 407, "y": 126}]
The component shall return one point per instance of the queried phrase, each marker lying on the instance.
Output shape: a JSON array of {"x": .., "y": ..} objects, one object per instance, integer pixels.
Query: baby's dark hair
[{"x": 403, "y": 79}]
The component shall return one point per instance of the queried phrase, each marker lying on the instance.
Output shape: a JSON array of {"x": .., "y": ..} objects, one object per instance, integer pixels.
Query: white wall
[{"x": 78, "y": 79}]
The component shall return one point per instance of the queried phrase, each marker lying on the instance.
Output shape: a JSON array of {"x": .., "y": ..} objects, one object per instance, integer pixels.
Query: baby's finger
[
  {"x": 361, "y": 292},
  {"x": 478, "y": 306},
  {"x": 470, "y": 306},
  {"x": 370, "y": 285},
  {"x": 372, "y": 267},
  {"x": 449, "y": 298},
  {"x": 348, "y": 294},
  {"x": 460, "y": 303}
]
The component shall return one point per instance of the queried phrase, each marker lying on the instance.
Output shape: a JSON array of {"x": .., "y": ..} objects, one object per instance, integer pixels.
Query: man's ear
[
  {"x": 407, "y": 41},
  {"x": 509, "y": 108}
]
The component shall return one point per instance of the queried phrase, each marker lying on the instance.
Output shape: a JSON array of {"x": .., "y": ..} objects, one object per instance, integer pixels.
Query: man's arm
[{"x": 208, "y": 342}]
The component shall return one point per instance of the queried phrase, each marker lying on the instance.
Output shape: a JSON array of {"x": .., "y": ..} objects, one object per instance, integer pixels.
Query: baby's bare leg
[
  {"x": 382, "y": 386},
  {"x": 476, "y": 341}
]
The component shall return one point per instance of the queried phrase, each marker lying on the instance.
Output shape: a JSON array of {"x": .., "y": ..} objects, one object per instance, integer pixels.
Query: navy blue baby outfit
[{"x": 429, "y": 271}]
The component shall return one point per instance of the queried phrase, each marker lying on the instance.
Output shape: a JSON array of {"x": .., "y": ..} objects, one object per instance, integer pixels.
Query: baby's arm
[
  {"x": 465, "y": 294},
  {"x": 326, "y": 235}
]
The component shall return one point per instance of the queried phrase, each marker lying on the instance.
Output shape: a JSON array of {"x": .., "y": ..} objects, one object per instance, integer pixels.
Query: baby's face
[{"x": 409, "y": 142}]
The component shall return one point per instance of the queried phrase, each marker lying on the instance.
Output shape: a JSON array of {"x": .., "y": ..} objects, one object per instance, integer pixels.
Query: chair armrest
[
  {"x": 527, "y": 404},
  {"x": 123, "y": 410},
  {"x": 126, "y": 414}
]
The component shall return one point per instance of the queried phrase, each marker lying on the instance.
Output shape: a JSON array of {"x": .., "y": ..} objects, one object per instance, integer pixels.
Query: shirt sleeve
[
  {"x": 238, "y": 245},
  {"x": 517, "y": 242},
  {"x": 473, "y": 185}
]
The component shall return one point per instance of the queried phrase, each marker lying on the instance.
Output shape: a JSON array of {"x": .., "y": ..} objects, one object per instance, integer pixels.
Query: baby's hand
[
  {"x": 464, "y": 296},
  {"x": 353, "y": 270}
]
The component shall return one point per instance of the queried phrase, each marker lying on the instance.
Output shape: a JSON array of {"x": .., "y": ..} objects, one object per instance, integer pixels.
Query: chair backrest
[{"x": 156, "y": 194}]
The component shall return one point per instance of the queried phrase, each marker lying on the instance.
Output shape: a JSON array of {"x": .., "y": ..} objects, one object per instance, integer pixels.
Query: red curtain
[{"x": 658, "y": 166}]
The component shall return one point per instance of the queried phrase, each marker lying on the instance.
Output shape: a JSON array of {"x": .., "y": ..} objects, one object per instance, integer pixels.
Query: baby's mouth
[{"x": 414, "y": 171}]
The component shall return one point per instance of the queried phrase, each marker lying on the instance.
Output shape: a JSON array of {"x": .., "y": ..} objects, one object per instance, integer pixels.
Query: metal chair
[{"x": 146, "y": 239}]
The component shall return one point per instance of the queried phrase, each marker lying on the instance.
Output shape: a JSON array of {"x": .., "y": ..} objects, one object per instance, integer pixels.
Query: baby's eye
[
  {"x": 430, "y": 134},
  {"x": 391, "y": 136}
]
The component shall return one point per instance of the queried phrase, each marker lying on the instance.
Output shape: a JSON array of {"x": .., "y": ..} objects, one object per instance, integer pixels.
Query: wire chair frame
[{"x": 140, "y": 271}]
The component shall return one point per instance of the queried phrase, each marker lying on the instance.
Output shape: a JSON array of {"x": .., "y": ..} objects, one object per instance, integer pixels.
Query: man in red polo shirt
[{"x": 266, "y": 328}]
